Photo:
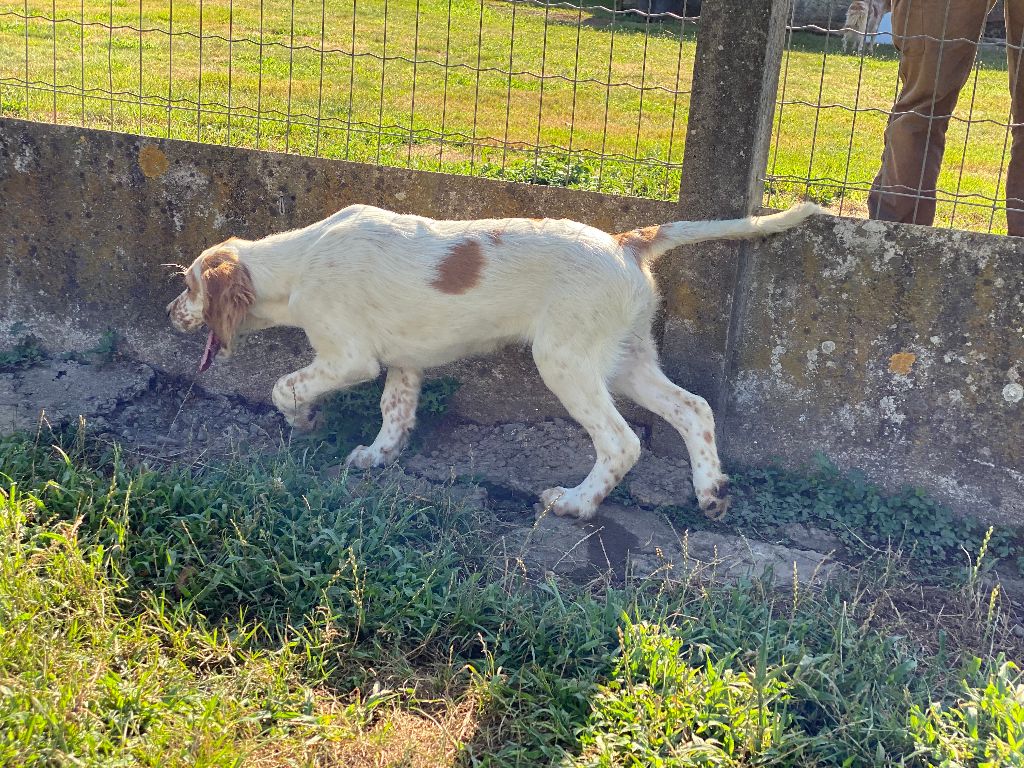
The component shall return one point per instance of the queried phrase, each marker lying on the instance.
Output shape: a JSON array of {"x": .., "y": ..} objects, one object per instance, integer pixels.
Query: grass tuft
[
  {"x": 24, "y": 354},
  {"x": 353, "y": 416},
  {"x": 866, "y": 519}
]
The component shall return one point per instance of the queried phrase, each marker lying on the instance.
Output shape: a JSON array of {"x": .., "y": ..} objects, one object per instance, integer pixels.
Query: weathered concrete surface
[
  {"x": 530, "y": 457},
  {"x": 132, "y": 402},
  {"x": 92, "y": 218},
  {"x": 896, "y": 349},
  {"x": 622, "y": 541},
  {"x": 58, "y": 392}
]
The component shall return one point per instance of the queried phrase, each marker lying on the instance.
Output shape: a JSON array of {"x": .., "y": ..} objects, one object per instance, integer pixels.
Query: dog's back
[{"x": 431, "y": 291}]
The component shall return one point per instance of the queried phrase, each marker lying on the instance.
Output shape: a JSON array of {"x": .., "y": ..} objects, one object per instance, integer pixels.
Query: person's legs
[
  {"x": 1014, "y": 10},
  {"x": 937, "y": 40}
]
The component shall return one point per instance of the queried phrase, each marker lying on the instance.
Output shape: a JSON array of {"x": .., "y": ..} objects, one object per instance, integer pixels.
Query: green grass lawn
[
  {"x": 819, "y": 136},
  {"x": 554, "y": 95},
  {"x": 257, "y": 614}
]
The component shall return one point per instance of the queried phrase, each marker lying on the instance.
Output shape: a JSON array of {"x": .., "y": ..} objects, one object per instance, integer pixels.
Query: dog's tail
[{"x": 649, "y": 243}]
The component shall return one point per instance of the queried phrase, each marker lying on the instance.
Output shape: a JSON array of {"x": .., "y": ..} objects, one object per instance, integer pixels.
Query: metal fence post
[{"x": 735, "y": 78}]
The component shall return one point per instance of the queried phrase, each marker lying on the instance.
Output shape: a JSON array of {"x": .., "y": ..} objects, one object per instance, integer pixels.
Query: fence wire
[
  {"x": 837, "y": 89},
  {"x": 548, "y": 92},
  {"x": 551, "y": 92}
]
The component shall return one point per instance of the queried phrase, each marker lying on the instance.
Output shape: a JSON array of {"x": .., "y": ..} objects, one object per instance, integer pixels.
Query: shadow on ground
[
  {"x": 501, "y": 467},
  {"x": 638, "y": 533}
]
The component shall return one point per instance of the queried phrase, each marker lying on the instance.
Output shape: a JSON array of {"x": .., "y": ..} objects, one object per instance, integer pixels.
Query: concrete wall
[
  {"x": 894, "y": 348},
  {"x": 897, "y": 349}
]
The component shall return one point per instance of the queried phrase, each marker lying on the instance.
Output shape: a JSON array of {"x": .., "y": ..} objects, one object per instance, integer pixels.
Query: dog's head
[{"x": 218, "y": 293}]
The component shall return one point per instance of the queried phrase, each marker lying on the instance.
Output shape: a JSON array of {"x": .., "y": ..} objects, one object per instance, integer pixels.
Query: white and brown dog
[{"x": 373, "y": 288}]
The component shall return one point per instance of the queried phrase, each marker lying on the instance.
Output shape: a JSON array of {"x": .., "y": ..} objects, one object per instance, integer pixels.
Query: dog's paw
[
  {"x": 563, "y": 502},
  {"x": 308, "y": 420},
  {"x": 364, "y": 457},
  {"x": 715, "y": 503},
  {"x": 549, "y": 500}
]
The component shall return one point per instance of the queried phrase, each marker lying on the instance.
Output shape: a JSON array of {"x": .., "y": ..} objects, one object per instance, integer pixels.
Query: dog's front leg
[
  {"x": 295, "y": 394},
  {"x": 398, "y": 407}
]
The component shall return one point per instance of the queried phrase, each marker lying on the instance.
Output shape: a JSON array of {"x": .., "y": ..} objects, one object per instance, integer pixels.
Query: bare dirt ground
[{"x": 499, "y": 467}]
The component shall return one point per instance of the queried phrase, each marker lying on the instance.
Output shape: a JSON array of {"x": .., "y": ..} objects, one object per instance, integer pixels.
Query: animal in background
[{"x": 862, "y": 20}]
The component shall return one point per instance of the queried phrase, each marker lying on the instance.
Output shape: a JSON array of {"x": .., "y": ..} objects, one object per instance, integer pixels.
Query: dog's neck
[{"x": 271, "y": 264}]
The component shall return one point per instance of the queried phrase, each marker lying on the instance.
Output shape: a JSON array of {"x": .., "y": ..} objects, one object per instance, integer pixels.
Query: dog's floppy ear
[{"x": 229, "y": 294}]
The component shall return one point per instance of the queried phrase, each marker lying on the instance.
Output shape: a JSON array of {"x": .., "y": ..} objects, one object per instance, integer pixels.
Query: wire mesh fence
[
  {"x": 550, "y": 92},
  {"x": 837, "y": 89},
  {"x": 569, "y": 93}
]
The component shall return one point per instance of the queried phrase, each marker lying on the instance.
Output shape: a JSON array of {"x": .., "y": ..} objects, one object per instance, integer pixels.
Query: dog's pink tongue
[{"x": 212, "y": 348}]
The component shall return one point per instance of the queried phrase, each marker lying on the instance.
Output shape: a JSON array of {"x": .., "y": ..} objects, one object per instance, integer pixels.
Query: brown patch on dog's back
[
  {"x": 460, "y": 270},
  {"x": 637, "y": 241},
  {"x": 708, "y": 437}
]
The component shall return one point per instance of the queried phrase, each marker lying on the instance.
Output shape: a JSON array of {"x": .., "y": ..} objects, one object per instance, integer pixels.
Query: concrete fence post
[
  {"x": 735, "y": 80},
  {"x": 732, "y": 103}
]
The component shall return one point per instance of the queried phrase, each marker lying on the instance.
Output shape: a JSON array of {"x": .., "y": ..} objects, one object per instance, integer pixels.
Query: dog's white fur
[
  {"x": 373, "y": 288},
  {"x": 863, "y": 18}
]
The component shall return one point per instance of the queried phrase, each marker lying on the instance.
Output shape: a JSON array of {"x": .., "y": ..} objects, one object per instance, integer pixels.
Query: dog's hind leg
[
  {"x": 640, "y": 378},
  {"x": 579, "y": 385},
  {"x": 398, "y": 407}
]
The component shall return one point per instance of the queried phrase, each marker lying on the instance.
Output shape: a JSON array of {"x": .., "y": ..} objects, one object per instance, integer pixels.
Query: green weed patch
[{"x": 255, "y": 611}]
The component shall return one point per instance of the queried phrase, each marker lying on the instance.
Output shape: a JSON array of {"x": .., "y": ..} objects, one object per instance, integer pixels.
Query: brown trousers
[{"x": 937, "y": 40}]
